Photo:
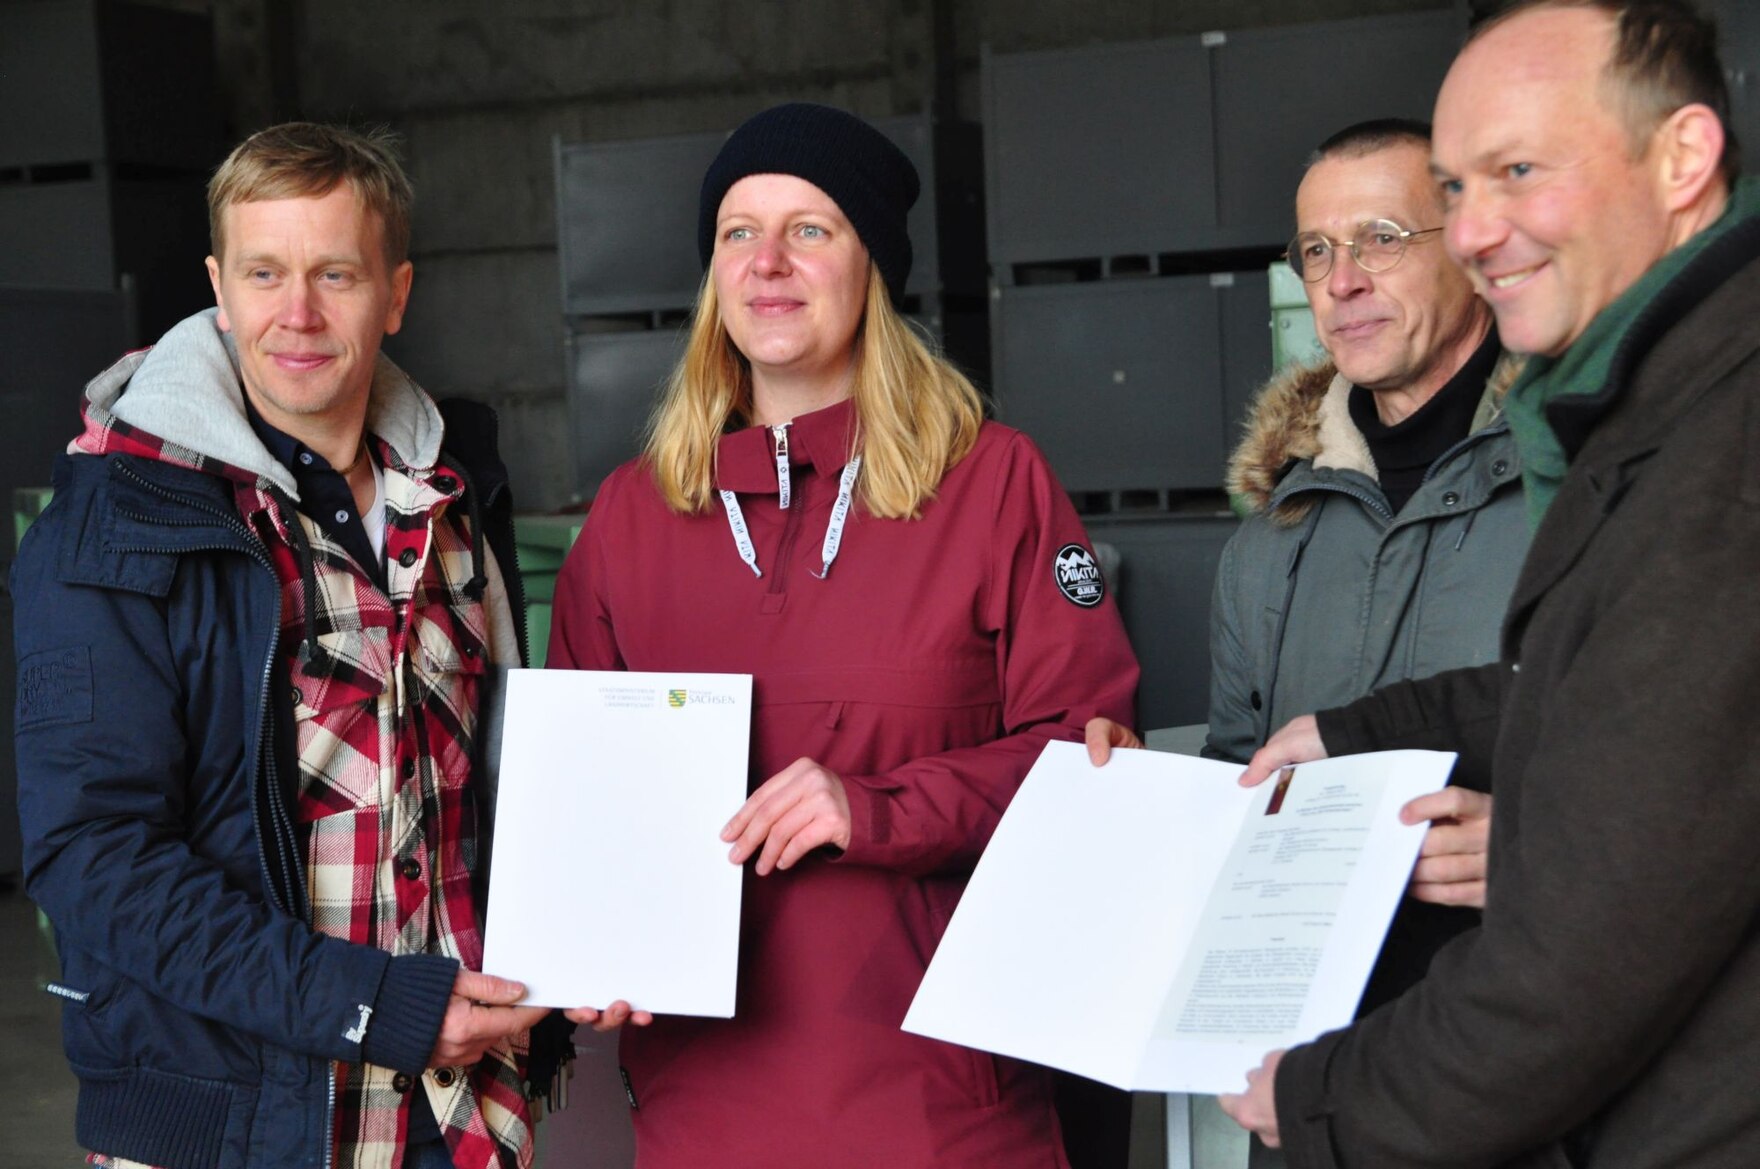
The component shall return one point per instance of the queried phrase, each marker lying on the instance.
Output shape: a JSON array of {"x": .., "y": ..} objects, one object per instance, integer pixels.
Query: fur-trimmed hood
[{"x": 1304, "y": 413}]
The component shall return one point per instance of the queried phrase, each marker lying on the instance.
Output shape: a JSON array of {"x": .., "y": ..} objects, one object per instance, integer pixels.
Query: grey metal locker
[
  {"x": 614, "y": 380},
  {"x": 1118, "y": 381},
  {"x": 1246, "y": 347},
  {"x": 1282, "y": 91},
  {"x": 106, "y": 81},
  {"x": 1167, "y": 569},
  {"x": 1738, "y": 38},
  {"x": 58, "y": 235},
  {"x": 627, "y": 222},
  {"x": 1097, "y": 152}
]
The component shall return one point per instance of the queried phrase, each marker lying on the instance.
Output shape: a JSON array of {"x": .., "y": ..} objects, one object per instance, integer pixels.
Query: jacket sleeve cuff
[
  {"x": 1304, "y": 1110},
  {"x": 408, "y": 1011},
  {"x": 1340, "y": 733},
  {"x": 870, "y": 821}
]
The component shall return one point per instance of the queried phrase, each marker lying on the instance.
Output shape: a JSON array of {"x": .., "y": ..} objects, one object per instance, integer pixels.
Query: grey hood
[{"x": 186, "y": 391}]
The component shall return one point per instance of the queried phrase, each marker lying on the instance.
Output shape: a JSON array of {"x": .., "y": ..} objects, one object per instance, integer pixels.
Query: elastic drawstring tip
[
  {"x": 476, "y": 586},
  {"x": 756, "y": 571},
  {"x": 824, "y": 572}
]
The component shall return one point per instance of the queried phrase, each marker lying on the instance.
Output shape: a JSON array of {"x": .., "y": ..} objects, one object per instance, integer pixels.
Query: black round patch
[{"x": 1078, "y": 575}]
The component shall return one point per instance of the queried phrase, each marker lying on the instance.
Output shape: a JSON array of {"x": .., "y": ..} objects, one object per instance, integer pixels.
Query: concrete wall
[{"x": 480, "y": 90}]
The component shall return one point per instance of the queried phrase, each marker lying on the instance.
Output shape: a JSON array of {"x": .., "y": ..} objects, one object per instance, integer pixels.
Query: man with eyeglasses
[
  {"x": 1383, "y": 489},
  {"x": 1383, "y": 493},
  {"x": 1385, "y": 523},
  {"x": 1385, "y": 520}
]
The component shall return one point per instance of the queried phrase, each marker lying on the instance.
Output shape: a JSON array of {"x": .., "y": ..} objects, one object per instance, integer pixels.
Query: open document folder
[
  {"x": 609, "y": 878},
  {"x": 1154, "y": 925}
]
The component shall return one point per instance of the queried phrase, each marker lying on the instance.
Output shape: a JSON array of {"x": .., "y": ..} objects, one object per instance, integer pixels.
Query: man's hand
[
  {"x": 480, "y": 1015},
  {"x": 1102, "y": 735},
  {"x": 1451, "y": 863},
  {"x": 1256, "y": 1109},
  {"x": 800, "y": 808},
  {"x": 609, "y": 1019},
  {"x": 1298, "y": 742}
]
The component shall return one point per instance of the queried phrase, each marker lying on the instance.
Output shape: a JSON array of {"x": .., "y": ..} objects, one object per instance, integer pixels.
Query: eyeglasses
[{"x": 1378, "y": 245}]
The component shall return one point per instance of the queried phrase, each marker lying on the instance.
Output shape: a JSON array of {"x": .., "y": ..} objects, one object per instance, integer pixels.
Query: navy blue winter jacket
[{"x": 155, "y": 747}]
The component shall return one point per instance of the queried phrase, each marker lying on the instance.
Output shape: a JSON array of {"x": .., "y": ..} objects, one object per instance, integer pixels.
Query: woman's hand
[
  {"x": 800, "y": 808},
  {"x": 609, "y": 1019},
  {"x": 1102, "y": 735}
]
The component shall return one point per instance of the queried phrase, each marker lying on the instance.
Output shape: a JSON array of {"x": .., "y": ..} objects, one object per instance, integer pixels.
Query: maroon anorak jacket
[{"x": 927, "y": 669}]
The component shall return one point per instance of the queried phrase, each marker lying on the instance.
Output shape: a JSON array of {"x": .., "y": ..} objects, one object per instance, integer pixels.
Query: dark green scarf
[{"x": 1582, "y": 369}]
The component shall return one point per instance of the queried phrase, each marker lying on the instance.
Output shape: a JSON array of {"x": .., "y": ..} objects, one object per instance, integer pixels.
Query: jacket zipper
[
  {"x": 285, "y": 838},
  {"x": 785, "y": 548}
]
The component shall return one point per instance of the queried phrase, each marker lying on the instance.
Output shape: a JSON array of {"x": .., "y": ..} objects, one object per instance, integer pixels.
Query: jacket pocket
[
  {"x": 447, "y": 661},
  {"x": 336, "y": 699}
]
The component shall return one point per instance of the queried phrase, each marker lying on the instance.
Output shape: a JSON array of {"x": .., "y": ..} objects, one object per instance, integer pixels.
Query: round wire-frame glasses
[{"x": 1377, "y": 246}]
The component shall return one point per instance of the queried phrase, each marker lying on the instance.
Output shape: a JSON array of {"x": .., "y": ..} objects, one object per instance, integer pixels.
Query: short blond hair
[
  {"x": 298, "y": 160},
  {"x": 916, "y": 415}
]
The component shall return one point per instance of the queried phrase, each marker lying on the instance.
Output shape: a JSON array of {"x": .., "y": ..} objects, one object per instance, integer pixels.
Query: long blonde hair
[{"x": 916, "y": 415}]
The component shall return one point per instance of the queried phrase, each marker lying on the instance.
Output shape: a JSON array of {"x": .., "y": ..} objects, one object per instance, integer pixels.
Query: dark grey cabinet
[
  {"x": 1132, "y": 385},
  {"x": 1166, "y": 571},
  {"x": 1097, "y": 152},
  {"x": 111, "y": 127},
  {"x": 1191, "y": 144},
  {"x": 1282, "y": 91}
]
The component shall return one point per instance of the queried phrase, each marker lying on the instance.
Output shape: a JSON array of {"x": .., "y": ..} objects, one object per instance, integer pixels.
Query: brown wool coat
[{"x": 1606, "y": 1015}]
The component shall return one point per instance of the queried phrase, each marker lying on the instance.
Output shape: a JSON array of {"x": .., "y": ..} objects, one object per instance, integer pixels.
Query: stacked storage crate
[
  {"x": 1136, "y": 196},
  {"x": 112, "y": 127}
]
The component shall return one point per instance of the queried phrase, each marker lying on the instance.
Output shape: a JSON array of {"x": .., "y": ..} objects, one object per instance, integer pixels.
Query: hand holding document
[
  {"x": 609, "y": 877},
  {"x": 1181, "y": 925}
]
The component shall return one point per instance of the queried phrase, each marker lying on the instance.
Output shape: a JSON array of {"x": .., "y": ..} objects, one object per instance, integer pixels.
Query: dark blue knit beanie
[{"x": 869, "y": 178}]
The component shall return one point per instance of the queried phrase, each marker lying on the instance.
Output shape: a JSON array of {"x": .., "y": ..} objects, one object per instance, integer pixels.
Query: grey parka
[{"x": 1324, "y": 594}]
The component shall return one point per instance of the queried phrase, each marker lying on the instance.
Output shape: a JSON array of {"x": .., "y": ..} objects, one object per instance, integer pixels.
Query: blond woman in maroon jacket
[{"x": 822, "y": 505}]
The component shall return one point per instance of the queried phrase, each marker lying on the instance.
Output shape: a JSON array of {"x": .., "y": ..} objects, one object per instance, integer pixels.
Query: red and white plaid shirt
[{"x": 386, "y": 715}]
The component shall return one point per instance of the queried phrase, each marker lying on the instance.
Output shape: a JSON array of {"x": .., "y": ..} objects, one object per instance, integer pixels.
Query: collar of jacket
[
  {"x": 1302, "y": 416},
  {"x": 745, "y": 459},
  {"x": 186, "y": 390}
]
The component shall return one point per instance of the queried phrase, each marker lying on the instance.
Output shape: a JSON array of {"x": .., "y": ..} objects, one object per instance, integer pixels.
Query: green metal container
[
  {"x": 27, "y": 504},
  {"x": 542, "y": 541},
  {"x": 1293, "y": 340}
]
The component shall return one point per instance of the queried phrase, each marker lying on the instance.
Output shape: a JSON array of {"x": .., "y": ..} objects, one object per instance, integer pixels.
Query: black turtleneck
[{"x": 1405, "y": 451}]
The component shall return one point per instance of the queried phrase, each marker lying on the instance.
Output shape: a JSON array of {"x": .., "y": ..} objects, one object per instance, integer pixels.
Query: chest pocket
[
  {"x": 338, "y": 711},
  {"x": 447, "y": 656}
]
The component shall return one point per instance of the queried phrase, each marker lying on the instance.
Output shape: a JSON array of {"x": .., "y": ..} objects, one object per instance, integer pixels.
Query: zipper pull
[{"x": 780, "y": 434}]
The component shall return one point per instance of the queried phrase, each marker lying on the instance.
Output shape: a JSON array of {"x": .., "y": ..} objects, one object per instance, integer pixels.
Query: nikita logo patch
[
  {"x": 1079, "y": 576},
  {"x": 55, "y": 687}
]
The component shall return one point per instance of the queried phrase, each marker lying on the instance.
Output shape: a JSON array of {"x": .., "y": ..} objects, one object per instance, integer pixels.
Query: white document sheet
[
  {"x": 609, "y": 877},
  {"x": 1154, "y": 925}
]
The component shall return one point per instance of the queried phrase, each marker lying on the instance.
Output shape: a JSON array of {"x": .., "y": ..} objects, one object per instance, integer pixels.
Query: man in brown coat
[{"x": 1607, "y": 1012}]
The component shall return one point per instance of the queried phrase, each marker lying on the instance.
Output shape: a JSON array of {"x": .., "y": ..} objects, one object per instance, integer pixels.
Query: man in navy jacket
[{"x": 254, "y": 628}]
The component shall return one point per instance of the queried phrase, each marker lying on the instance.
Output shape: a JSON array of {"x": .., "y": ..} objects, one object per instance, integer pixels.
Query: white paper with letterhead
[
  {"x": 1149, "y": 924},
  {"x": 609, "y": 876}
]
